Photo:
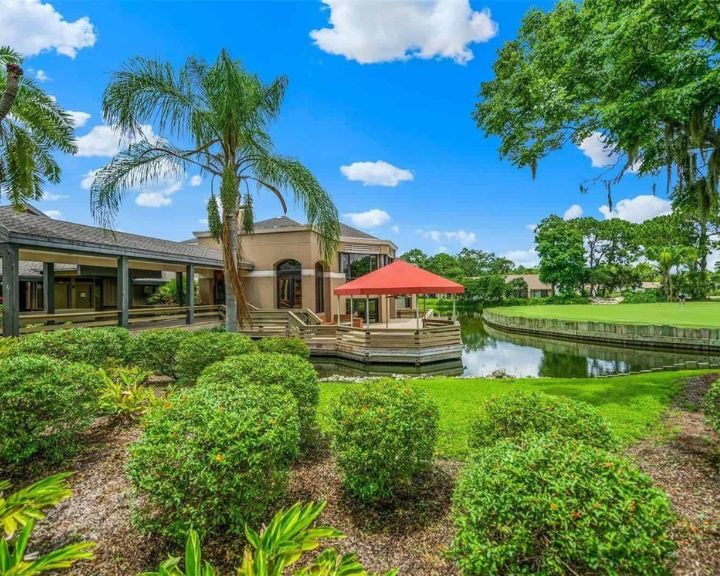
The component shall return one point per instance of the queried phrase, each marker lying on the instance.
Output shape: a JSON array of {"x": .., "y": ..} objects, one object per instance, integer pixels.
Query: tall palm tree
[
  {"x": 667, "y": 258},
  {"x": 214, "y": 118},
  {"x": 32, "y": 127}
]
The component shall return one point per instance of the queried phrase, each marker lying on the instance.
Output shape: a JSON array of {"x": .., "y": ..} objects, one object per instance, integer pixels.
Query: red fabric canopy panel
[{"x": 399, "y": 278}]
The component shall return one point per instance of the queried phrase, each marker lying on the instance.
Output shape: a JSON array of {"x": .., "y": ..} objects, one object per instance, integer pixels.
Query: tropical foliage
[{"x": 125, "y": 393}]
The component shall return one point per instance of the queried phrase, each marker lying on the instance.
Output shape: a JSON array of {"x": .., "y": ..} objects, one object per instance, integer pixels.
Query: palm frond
[{"x": 9, "y": 56}]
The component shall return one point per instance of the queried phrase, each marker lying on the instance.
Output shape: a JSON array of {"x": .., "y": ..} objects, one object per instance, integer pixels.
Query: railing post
[
  {"x": 49, "y": 287},
  {"x": 11, "y": 290},
  {"x": 190, "y": 293},
  {"x": 123, "y": 291}
]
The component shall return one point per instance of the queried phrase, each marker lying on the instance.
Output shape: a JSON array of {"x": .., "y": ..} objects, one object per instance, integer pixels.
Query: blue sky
[{"x": 385, "y": 89}]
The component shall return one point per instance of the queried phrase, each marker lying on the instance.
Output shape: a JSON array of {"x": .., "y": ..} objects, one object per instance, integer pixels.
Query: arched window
[{"x": 289, "y": 284}]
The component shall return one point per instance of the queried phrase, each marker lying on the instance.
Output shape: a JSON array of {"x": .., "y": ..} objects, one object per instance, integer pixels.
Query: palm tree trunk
[
  {"x": 12, "y": 81},
  {"x": 230, "y": 241}
]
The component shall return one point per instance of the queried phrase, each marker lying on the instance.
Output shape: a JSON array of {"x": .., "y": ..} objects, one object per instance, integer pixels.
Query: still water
[{"x": 488, "y": 350}]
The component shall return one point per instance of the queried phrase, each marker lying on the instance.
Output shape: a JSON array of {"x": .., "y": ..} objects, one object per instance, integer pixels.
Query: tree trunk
[
  {"x": 12, "y": 81},
  {"x": 230, "y": 241}
]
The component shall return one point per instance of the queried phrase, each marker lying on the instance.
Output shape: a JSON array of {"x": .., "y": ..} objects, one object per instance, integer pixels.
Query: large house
[
  {"x": 288, "y": 270},
  {"x": 535, "y": 287}
]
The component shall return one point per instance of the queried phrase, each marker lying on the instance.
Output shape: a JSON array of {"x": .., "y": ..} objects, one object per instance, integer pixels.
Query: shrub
[
  {"x": 205, "y": 348},
  {"x": 124, "y": 393},
  {"x": 265, "y": 369},
  {"x": 548, "y": 507},
  {"x": 213, "y": 459},
  {"x": 156, "y": 350},
  {"x": 512, "y": 415},
  {"x": 711, "y": 405},
  {"x": 384, "y": 435},
  {"x": 43, "y": 404},
  {"x": 295, "y": 346},
  {"x": 644, "y": 297},
  {"x": 8, "y": 346},
  {"x": 95, "y": 346}
]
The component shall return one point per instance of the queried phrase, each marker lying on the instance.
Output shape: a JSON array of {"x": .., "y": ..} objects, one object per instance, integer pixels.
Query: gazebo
[{"x": 397, "y": 279}]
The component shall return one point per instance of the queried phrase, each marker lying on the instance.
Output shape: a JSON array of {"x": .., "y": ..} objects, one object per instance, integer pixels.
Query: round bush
[
  {"x": 205, "y": 348},
  {"x": 711, "y": 405},
  {"x": 44, "y": 403},
  {"x": 156, "y": 350},
  {"x": 547, "y": 507},
  {"x": 512, "y": 415},
  {"x": 95, "y": 346},
  {"x": 213, "y": 460},
  {"x": 266, "y": 369},
  {"x": 384, "y": 435},
  {"x": 294, "y": 346}
]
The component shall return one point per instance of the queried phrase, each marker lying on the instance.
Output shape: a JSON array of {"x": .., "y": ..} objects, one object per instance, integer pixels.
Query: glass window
[
  {"x": 356, "y": 265},
  {"x": 359, "y": 308}
]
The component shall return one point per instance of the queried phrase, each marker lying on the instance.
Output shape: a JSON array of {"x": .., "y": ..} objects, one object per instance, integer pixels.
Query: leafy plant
[
  {"x": 513, "y": 415},
  {"x": 711, "y": 405},
  {"x": 269, "y": 369},
  {"x": 19, "y": 511},
  {"x": 282, "y": 345},
  {"x": 204, "y": 348},
  {"x": 156, "y": 350},
  {"x": 384, "y": 435},
  {"x": 288, "y": 536},
  {"x": 44, "y": 403},
  {"x": 213, "y": 460},
  {"x": 540, "y": 505},
  {"x": 124, "y": 393}
]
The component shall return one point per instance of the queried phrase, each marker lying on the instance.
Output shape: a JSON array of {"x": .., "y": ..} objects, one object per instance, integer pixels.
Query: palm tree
[
  {"x": 32, "y": 127},
  {"x": 218, "y": 117},
  {"x": 667, "y": 258}
]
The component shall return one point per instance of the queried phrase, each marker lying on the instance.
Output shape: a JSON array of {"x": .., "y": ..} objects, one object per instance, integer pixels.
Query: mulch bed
[{"x": 412, "y": 534}]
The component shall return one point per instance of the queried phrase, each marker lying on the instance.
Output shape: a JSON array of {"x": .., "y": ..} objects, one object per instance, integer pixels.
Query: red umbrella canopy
[{"x": 397, "y": 278}]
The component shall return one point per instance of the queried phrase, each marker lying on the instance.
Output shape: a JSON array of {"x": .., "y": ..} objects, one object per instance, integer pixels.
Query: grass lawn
[
  {"x": 632, "y": 404},
  {"x": 692, "y": 315}
]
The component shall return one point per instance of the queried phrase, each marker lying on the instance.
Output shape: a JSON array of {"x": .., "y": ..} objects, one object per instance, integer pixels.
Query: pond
[{"x": 488, "y": 350}]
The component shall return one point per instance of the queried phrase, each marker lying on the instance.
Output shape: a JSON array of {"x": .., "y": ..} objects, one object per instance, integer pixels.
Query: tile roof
[
  {"x": 40, "y": 230},
  {"x": 285, "y": 222}
]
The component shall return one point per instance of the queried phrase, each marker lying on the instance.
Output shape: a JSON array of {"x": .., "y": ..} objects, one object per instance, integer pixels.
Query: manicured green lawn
[
  {"x": 692, "y": 314},
  {"x": 632, "y": 404}
]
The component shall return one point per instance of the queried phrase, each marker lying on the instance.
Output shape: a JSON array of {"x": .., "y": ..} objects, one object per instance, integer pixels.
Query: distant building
[{"x": 535, "y": 288}]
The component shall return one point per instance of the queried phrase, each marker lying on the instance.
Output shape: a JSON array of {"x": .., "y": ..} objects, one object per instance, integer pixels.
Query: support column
[
  {"x": 454, "y": 315},
  {"x": 417, "y": 315},
  {"x": 190, "y": 293},
  {"x": 179, "y": 288},
  {"x": 49, "y": 287},
  {"x": 367, "y": 311},
  {"x": 11, "y": 290},
  {"x": 123, "y": 291},
  {"x": 338, "y": 310}
]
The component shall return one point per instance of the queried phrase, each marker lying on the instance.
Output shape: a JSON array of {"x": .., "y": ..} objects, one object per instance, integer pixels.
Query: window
[
  {"x": 358, "y": 308},
  {"x": 356, "y": 265}
]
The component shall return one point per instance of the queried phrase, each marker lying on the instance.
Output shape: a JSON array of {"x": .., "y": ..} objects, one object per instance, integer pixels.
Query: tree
[
  {"x": 445, "y": 265},
  {"x": 559, "y": 245},
  {"x": 32, "y": 128},
  {"x": 416, "y": 257},
  {"x": 667, "y": 258},
  {"x": 478, "y": 262},
  {"x": 219, "y": 117}
]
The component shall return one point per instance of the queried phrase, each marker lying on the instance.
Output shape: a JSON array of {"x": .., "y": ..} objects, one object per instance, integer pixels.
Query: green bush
[
  {"x": 711, "y": 405},
  {"x": 512, "y": 415},
  {"x": 205, "y": 348},
  {"x": 645, "y": 297},
  {"x": 156, "y": 350},
  {"x": 551, "y": 508},
  {"x": 281, "y": 345},
  {"x": 44, "y": 403},
  {"x": 266, "y": 369},
  {"x": 384, "y": 435},
  {"x": 213, "y": 460},
  {"x": 95, "y": 346}
]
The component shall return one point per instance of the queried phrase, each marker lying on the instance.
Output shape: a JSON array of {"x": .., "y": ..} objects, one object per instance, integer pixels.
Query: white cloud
[
  {"x": 50, "y": 197},
  {"x": 378, "y": 173},
  {"x": 54, "y": 214},
  {"x": 531, "y": 227},
  {"x": 442, "y": 250},
  {"x": 79, "y": 118},
  {"x": 638, "y": 209},
  {"x": 594, "y": 148},
  {"x": 380, "y": 31},
  {"x": 152, "y": 200},
  {"x": 462, "y": 237},
  {"x": 575, "y": 211},
  {"x": 41, "y": 76},
  {"x": 527, "y": 258},
  {"x": 159, "y": 194},
  {"x": 370, "y": 219},
  {"x": 195, "y": 180},
  {"x": 87, "y": 180},
  {"x": 33, "y": 26},
  {"x": 102, "y": 140}
]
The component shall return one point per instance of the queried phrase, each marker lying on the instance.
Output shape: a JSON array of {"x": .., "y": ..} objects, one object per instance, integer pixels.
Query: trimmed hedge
[
  {"x": 513, "y": 415},
  {"x": 295, "y": 346},
  {"x": 44, "y": 403},
  {"x": 156, "y": 350},
  {"x": 266, "y": 369},
  {"x": 95, "y": 346},
  {"x": 384, "y": 435},
  {"x": 540, "y": 506},
  {"x": 204, "y": 348},
  {"x": 213, "y": 460}
]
